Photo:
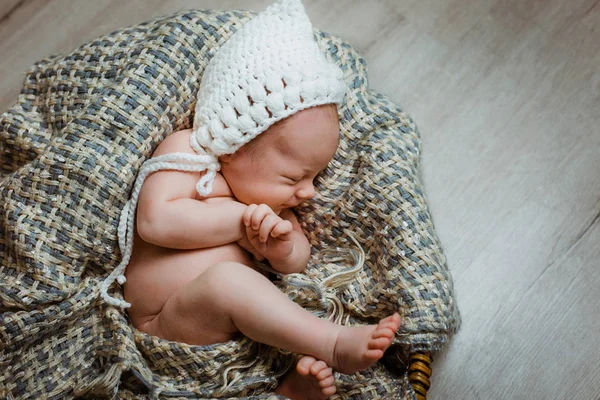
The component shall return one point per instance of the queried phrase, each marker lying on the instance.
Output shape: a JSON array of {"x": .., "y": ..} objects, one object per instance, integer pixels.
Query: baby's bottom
[{"x": 230, "y": 297}]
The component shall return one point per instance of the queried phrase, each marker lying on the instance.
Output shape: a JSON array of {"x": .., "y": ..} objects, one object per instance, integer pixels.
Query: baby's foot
[
  {"x": 312, "y": 380},
  {"x": 360, "y": 347}
]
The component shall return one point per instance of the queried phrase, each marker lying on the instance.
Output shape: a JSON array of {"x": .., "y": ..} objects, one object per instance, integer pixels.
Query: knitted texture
[
  {"x": 71, "y": 147},
  {"x": 269, "y": 69}
]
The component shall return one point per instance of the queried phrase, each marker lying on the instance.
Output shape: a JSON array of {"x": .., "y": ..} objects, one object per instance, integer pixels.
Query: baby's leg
[{"x": 230, "y": 297}]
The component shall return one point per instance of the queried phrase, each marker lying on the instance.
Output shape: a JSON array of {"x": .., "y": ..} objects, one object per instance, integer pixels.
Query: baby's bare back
[{"x": 154, "y": 272}]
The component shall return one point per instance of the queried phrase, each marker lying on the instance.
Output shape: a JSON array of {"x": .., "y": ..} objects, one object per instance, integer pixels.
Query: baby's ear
[{"x": 225, "y": 158}]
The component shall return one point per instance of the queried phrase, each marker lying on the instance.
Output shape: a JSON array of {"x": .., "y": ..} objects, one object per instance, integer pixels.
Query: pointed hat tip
[{"x": 286, "y": 5}]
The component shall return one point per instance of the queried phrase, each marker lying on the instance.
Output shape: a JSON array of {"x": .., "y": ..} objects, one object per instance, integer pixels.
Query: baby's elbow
[
  {"x": 145, "y": 231},
  {"x": 147, "y": 226}
]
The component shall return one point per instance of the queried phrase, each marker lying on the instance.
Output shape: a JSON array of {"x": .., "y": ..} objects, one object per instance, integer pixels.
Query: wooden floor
[{"x": 507, "y": 97}]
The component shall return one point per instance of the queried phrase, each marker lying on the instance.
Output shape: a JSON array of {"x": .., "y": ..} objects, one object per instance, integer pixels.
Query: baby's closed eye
[{"x": 292, "y": 179}]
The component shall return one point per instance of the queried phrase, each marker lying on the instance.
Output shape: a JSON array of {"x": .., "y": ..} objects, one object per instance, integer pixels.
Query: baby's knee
[
  {"x": 228, "y": 275},
  {"x": 227, "y": 285}
]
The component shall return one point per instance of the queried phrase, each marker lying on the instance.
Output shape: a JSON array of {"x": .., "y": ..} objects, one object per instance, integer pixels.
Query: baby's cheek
[{"x": 272, "y": 195}]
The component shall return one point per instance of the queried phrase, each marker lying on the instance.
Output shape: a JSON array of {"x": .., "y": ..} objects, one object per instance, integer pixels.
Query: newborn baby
[
  {"x": 191, "y": 277},
  {"x": 214, "y": 197}
]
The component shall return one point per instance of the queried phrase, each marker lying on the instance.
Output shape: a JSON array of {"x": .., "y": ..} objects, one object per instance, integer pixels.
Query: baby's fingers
[
  {"x": 284, "y": 227},
  {"x": 247, "y": 216},
  {"x": 267, "y": 226},
  {"x": 251, "y": 234},
  {"x": 259, "y": 214}
]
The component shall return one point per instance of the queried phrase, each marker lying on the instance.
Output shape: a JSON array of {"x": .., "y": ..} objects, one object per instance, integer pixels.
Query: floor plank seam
[{"x": 10, "y": 12}]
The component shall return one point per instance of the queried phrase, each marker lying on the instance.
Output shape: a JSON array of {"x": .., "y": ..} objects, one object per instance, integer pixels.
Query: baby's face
[{"x": 279, "y": 166}]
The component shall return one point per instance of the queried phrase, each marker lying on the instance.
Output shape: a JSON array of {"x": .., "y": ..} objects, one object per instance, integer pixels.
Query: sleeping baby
[{"x": 215, "y": 198}]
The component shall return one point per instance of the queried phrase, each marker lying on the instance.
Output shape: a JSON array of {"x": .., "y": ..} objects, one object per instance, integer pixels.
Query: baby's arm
[{"x": 170, "y": 215}]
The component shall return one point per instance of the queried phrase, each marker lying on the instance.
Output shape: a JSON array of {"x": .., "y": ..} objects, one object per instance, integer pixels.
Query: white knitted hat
[{"x": 268, "y": 70}]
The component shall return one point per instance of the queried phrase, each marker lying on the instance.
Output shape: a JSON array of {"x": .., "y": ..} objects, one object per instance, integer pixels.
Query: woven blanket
[{"x": 70, "y": 149}]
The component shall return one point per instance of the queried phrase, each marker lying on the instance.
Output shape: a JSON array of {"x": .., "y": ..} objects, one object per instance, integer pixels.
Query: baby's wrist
[
  {"x": 282, "y": 264},
  {"x": 296, "y": 260}
]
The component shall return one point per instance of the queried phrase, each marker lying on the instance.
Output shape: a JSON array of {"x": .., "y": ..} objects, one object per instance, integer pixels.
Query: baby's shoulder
[{"x": 177, "y": 142}]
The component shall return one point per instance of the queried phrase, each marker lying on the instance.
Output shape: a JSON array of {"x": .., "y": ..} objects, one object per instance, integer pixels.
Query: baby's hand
[{"x": 268, "y": 233}]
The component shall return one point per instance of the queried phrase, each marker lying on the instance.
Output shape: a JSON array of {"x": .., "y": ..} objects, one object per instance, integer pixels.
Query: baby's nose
[{"x": 306, "y": 192}]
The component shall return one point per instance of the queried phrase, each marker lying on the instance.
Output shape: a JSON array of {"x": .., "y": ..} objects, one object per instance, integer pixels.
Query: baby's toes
[
  {"x": 329, "y": 391},
  {"x": 383, "y": 333},
  {"x": 319, "y": 367},
  {"x": 304, "y": 365},
  {"x": 323, "y": 374},
  {"x": 373, "y": 355},
  {"x": 393, "y": 322},
  {"x": 381, "y": 343},
  {"x": 329, "y": 381}
]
